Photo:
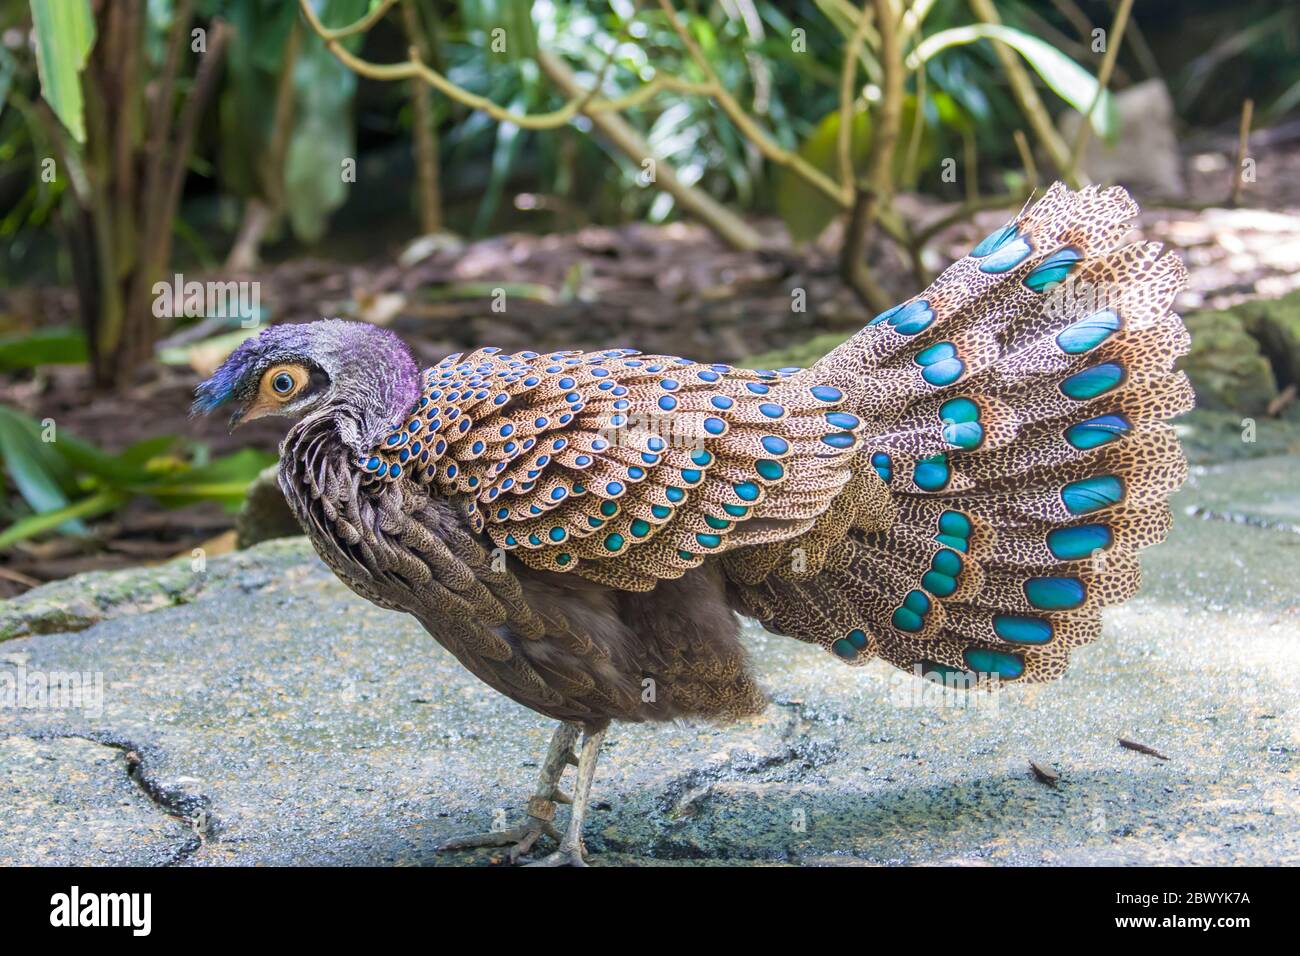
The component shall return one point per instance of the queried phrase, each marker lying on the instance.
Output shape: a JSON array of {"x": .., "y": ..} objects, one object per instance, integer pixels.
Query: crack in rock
[{"x": 191, "y": 809}]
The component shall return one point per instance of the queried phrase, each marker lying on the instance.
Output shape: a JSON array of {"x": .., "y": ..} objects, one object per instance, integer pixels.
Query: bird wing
[{"x": 624, "y": 468}]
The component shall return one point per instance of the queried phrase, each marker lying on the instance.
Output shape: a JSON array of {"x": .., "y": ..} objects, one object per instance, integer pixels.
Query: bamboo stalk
[
  {"x": 425, "y": 132},
  {"x": 1114, "y": 39},
  {"x": 730, "y": 228},
  {"x": 1026, "y": 96}
]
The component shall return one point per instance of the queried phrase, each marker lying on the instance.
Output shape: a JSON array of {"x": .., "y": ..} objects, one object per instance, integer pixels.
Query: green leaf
[
  {"x": 805, "y": 209},
  {"x": 322, "y": 138},
  {"x": 65, "y": 32},
  {"x": 71, "y": 515},
  {"x": 37, "y": 472},
  {"x": 1066, "y": 78},
  {"x": 225, "y": 480},
  {"x": 45, "y": 347}
]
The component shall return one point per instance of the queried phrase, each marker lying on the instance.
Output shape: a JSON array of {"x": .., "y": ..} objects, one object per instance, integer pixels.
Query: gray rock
[
  {"x": 276, "y": 718},
  {"x": 1145, "y": 155},
  {"x": 265, "y": 515}
]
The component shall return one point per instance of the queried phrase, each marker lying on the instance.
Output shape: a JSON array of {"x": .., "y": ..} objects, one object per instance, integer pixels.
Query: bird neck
[{"x": 376, "y": 384}]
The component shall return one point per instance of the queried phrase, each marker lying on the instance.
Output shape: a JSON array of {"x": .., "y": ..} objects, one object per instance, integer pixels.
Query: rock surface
[{"x": 257, "y": 712}]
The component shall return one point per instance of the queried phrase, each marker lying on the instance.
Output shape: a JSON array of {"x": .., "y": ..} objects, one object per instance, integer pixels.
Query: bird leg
[
  {"x": 541, "y": 807},
  {"x": 572, "y": 851}
]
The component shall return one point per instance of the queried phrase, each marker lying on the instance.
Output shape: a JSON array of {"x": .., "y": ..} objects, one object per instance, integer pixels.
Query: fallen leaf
[
  {"x": 1044, "y": 774},
  {"x": 1141, "y": 748}
]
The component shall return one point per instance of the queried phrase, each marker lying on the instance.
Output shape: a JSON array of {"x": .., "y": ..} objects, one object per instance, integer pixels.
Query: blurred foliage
[
  {"x": 62, "y": 480},
  {"x": 287, "y": 118}
]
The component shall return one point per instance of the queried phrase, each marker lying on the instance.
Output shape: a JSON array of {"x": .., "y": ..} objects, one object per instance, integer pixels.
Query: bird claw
[
  {"x": 520, "y": 839},
  {"x": 565, "y": 856}
]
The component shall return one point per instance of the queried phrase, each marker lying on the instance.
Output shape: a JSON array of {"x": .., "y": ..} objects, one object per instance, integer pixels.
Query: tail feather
[{"x": 1015, "y": 413}]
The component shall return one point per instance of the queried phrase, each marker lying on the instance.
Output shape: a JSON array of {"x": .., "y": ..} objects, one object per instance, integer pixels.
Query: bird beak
[{"x": 259, "y": 407}]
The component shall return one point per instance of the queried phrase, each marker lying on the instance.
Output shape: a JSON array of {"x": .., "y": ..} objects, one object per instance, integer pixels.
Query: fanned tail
[{"x": 1016, "y": 414}]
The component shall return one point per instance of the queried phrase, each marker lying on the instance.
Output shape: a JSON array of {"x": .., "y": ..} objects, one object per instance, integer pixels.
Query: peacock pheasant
[{"x": 959, "y": 488}]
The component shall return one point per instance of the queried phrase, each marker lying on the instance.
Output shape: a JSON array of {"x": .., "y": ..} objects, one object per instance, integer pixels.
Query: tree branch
[
  {"x": 1113, "y": 41},
  {"x": 1026, "y": 95}
]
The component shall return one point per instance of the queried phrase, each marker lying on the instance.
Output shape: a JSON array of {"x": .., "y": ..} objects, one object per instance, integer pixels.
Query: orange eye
[{"x": 282, "y": 382}]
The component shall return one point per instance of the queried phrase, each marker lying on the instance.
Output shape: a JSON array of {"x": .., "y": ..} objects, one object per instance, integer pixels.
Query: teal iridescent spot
[
  {"x": 848, "y": 646},
  {"x": 1094, "y": 381},
  {"x": 685, "y": 555},
  {"x": 660, "y": 511},
  {"x": 747, "y": 490},
  {"x": 674, "y": 494},
  {"x": 563, "y": 558},
  {"x": 943, "y": 373},
  {"x": 736, "y": 511},
  {"x": 917, "y": 601},
  {"x": 708, "y": 540},
  {"x": 966, "y": 435},
  {"x": 908, "y": 318},
  {"x": 931, "y": 474},
  {"x": 1092, "y": 494},
  {"x": 640, "y": 528},
  {"x": 994, "y": 241},
  {"x": 955, "y": 523},
  {"x": 940, "y": 585},
  {"x": 613, "y": 542},
  {"x": 1096, "y": 432},
  {"x": 769, "y": 469},
  {"x": 1055, "y": 594},
  {"x": 839, "y": 440},
  {"x": 1009, "y": 255},
  {"x": 609, "y": 508},
  {"x": 1022, "y": 630},
  {"x": 941, "y": 579},
  {"x": 983, "y": 661},
  {"x": 939, "y": 364},
  {"x": 884, "y": 467},
  {"x": 842, "y": 648},
  {"x": 717, "y": 524},
  {"x": 558, "y": 534},
  {"x": 959, "y": 410},
  {"x": 954, "y": 531},
  {"x": 1053, "y": 269},
  {"x": 906, "y": 620},
  {"x": 947, "y": 562},
  {"x": 1088, "y": 333},
  {"x": 936, "y": 353},
  {"x": 775, "y": 445},
  {"x": 826, "y": 393},
  {"x": 1082, "y": 541},
  {"x": 842, "y": 420},
  {"x": 962, "y": 427},
  {"x": 911, "y": 616}
]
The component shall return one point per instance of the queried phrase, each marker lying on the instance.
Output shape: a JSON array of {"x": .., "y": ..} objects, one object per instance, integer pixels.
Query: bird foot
[
  {"x": 520, "y": 839},
  {"x": 566, "y": 855}
]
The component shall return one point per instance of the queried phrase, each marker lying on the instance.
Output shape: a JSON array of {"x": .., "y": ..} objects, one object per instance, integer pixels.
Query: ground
[{"x": 254, "y": 711}]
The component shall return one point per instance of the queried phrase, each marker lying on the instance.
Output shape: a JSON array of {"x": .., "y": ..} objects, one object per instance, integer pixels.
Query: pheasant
[{"x": 958, "y": 489}]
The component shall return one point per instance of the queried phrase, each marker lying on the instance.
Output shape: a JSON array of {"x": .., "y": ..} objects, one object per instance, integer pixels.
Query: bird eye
[{"x": 282, "y": 383}]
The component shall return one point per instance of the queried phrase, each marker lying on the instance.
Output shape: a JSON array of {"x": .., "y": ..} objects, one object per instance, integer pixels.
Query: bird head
[{"x": 361, "y": 373}]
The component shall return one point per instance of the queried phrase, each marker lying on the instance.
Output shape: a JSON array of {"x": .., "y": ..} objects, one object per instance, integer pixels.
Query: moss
[
  {"x": 76, "y": 603},
  {"x": 1226, "y": 366}
]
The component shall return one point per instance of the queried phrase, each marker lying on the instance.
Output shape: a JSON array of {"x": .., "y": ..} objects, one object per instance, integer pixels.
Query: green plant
[{"x": 66, "y": 480}]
